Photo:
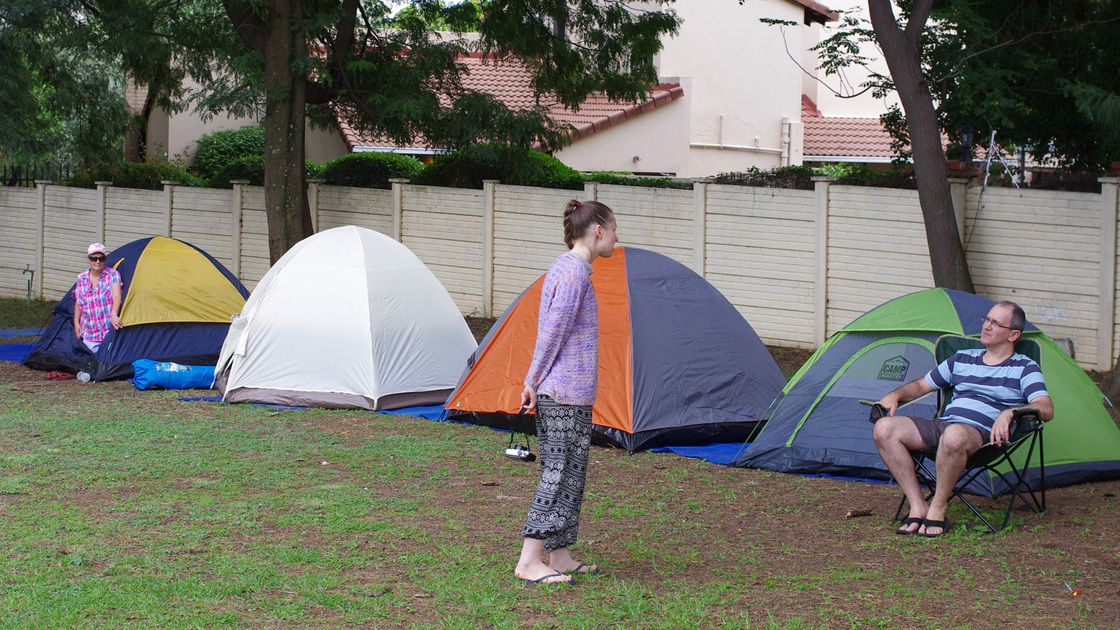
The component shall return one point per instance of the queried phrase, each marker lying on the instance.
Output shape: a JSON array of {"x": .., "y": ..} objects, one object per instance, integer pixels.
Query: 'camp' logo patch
[{"x": 894, "y": 369}]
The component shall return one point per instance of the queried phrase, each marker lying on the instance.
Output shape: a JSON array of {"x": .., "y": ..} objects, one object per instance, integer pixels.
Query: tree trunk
[
  {"x": 285, "y": 174},
  {"x": 901, "y": 49},
  {"x": 281, "y": 39}
]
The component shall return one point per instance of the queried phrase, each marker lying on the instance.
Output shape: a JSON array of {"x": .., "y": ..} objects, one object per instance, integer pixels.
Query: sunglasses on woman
[{"x": 97, "y": 258}]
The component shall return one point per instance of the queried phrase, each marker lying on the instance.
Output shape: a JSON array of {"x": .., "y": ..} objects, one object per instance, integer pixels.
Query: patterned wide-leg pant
[{"x": 564, "y": 435}]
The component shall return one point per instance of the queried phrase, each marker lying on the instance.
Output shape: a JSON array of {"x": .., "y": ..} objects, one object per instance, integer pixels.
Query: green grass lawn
[
  {"x": 126, "y": 509},
  {"x": 22, "y": 314}
]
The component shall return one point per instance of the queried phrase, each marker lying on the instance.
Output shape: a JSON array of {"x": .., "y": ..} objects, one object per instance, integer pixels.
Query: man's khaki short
[{"x": 932, "y": 430}]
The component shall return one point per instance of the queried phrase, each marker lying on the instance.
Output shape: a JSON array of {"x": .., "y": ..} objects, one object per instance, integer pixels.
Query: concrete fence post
[
  {"x": 700, "y": 227},
  {"x": 489, "y": 192},
  {"x": 591, "y": 191},
  {"x": 237, "y": 207},
  {"x": 168, "y": 205},
  {"x": 1106, "y": 347},
  {"x": 398, "y": 208},
  {"x": 102, "y": 209},
  {"x": 821, "y": 184},
  {"x": 958, "y": 192},
  {"x": 40, "y": 233},
  {"x": 313, "y": 186}
]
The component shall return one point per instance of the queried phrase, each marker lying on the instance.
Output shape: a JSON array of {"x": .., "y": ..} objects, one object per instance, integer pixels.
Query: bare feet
[
  {"x": 910, "y": 525},
  {"x": 932, "y": 528},
  {"x": 561, "y": 560},
  {"x": 540, "y": 574},
  {"x": 575, "y": 568},
  {"x": 934, "y": 522}
]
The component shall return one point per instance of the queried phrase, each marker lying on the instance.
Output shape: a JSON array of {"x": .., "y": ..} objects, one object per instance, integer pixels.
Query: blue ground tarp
[
  {"x": 431, "y": 412},
  {"x": 722, "y": 454},
  {"x": 219, "y": 399},
  {"x": 8, "y": 333},
  {"x": 14, "y": 352}
]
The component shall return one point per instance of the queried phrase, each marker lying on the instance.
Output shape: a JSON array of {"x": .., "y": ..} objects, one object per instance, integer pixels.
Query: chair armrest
[
  {"x": 877, "y": 410},
  {"x": 1025, "y": 420}
]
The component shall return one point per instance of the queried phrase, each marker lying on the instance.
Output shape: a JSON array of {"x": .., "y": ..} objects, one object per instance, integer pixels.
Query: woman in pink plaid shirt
[{"x": 97, "y": 299}]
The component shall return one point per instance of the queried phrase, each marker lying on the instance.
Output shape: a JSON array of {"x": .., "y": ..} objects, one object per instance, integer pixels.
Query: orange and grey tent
[{"x": 678, "y": 364}]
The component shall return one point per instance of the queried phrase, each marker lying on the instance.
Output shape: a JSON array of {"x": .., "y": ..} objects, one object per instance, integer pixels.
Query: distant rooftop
[
  {"x": 511, "y": 83},
  {"x": 843, "y": 139}
]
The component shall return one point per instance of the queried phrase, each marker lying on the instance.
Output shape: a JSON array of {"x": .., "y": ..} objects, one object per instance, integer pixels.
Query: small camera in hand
[{"x": 520, "y": 452}]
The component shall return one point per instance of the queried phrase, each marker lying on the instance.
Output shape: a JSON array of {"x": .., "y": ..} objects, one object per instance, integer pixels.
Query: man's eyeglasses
[
  {"x": 989, "y": 320},
  {"x": 97, "y": 258}
]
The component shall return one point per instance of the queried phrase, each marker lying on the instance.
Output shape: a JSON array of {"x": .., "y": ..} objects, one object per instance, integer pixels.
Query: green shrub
[
  {"x": 218, "y": 149},
  {"x": 556, "y": 173},
  {"x": 620, "y": 179},
  {"x": 146, "y": 175},
  {"x": 314, "y": 169},
  {"x": 369, "y": 170},
  {"x": 799, "y": 177},
  {"x": 863, "y": 176},
  {"x": 250, "y": 167},
  {"x": 469, "y": 167}
]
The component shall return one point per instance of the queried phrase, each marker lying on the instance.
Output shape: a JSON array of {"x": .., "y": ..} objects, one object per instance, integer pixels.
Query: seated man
[{"x": 989, "y": 384}]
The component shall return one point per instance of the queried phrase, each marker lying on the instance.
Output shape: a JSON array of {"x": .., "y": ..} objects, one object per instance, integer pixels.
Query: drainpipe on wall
[
  {"x": 738, "y": 147},
  {"x": 785, "y": 142}
]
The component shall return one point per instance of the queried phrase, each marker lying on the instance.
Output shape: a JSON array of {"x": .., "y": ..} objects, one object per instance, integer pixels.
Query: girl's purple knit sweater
[{"x": 566, "y": 358}]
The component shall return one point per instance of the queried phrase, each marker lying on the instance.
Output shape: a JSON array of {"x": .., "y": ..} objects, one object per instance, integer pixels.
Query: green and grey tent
[{"x": 817, "y": 425}]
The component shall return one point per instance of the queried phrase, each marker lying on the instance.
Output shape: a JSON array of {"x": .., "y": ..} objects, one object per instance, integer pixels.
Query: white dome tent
[{"x": 348, "y": 318}]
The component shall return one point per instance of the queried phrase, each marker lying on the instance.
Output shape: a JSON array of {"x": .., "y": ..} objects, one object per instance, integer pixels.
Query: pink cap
[{"x": 97, "y": 248}]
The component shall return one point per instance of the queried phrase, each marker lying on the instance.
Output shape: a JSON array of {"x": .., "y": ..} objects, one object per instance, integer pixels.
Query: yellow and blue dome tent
[
  {"x": 178, "y": 301},
  {"x": 817, "y": 426}
]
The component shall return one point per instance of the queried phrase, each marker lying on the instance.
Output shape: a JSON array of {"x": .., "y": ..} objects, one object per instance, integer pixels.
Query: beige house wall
[
  {"x": 175, "y": 136},
  {"x": 324, "y": 145},
  {"x": 653, "y": 142},
  {"x": 743, "y": 85},
  {"x": 835, "y": 95},
  {"x": 799, "y": 265}
]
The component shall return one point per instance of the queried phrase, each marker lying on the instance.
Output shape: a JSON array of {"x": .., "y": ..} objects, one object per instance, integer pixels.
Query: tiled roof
[
  {"x": 511, "y": 83},
  {"x": 843, "y": 137}
]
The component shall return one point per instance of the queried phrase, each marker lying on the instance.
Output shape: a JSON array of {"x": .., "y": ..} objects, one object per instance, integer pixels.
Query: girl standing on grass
[{"x": 561, "y": 385}]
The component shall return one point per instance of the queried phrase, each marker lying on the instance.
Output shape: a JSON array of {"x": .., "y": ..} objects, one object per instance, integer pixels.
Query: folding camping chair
[{"x": 1026, "y": 432}]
